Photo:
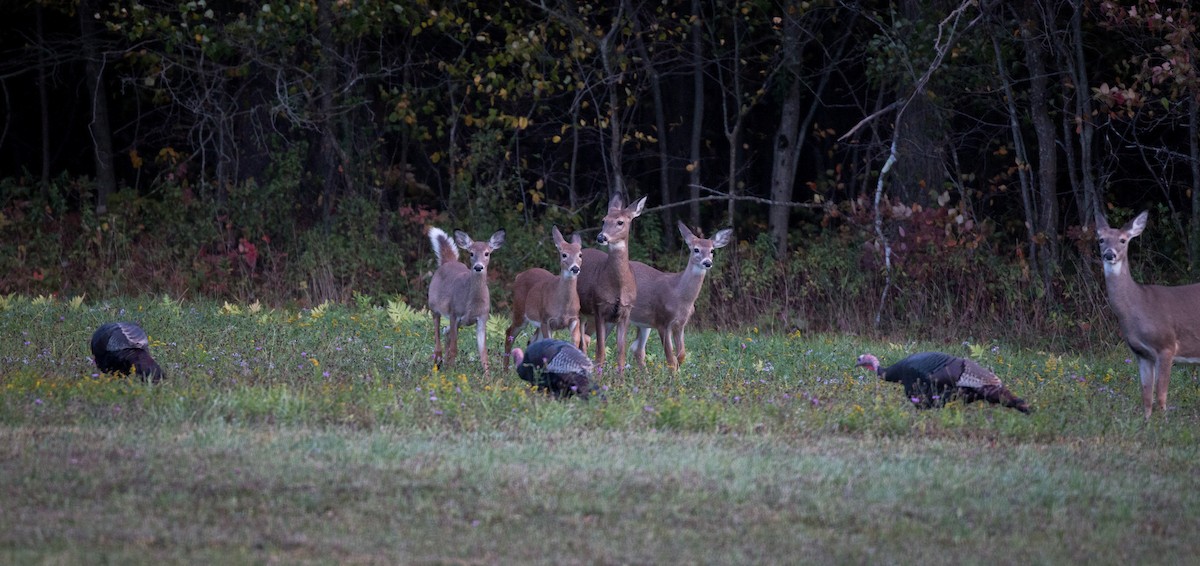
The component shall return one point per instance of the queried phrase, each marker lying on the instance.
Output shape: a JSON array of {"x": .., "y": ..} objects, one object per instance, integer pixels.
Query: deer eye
[
  {"x": 564, "y": 256},
  {"x": 695, "y": 250},
  {"x": 1123, "y": 240},
  {"x": 620, "y": 223}
]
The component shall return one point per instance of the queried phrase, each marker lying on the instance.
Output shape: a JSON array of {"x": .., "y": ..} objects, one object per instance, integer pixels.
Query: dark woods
[{"x": 950, "y": 152}]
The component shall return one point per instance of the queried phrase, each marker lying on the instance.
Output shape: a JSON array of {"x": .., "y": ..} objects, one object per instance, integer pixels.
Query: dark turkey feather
[
  {"x": 932, "y": 378},
  {"x": 556, "y": 366},
  {"x": 123, "y": 347}
]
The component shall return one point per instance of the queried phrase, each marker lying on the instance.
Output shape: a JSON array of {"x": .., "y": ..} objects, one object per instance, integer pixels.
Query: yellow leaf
[{"x": 556, "y": 139}]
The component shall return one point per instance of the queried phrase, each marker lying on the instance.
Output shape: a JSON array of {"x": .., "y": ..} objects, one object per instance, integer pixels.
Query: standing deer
[
  {"x": 1161, "y": 324},
  {"x": 460, "y": 293},
  {"x": 547, "y": 302},
  {"x": 606, "y": 287},
  {"x": 666, "y": 301}
]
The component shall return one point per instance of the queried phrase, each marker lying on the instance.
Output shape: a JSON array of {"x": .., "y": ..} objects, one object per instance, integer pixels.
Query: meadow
[{"x": 325, "y": 435}]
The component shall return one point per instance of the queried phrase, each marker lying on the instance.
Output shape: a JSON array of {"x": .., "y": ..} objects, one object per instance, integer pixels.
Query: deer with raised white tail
[
  {"x": 606, "y": 287},
  {"x": 1160, "y": 324},
  {"x": 460, "y": 293},
  {"x": 547, "y": 302},
  {"x": 666, "y": 301}
]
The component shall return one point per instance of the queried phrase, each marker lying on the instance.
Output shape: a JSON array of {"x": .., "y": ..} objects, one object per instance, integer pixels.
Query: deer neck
[
  {"x": 566, "y": 291},
  {"x": 618, "y": 261},
  {"x": 688, "y": 282},
  {"x": 1124, "y": 294}
]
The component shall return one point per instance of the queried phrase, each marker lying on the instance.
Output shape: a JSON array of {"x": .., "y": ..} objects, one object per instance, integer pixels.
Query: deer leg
[
  {"x": 437, "y": 338},
  {"x": 668, "y": 346},
  {"x": 1146, "y": 368},
  {"x": 622, "y": 338},
  {"x": 451, "y": 340},
  {"x": 576, "y": 334},
  {"x": 600, "y": 338},
  {"x": 1162, "y": 378},
  {"x": 680, "y": 350},
  {"x": 509, "y": 336},
  {"x": 481, "y": 341},
  {"x": 639, "y": 345}
]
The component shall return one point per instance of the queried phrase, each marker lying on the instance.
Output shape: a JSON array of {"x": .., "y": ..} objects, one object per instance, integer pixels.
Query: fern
[
  {"x": 230, "y": 309},
  {"x": 401, "y": 314},
  {"x": 43, "y": 300},
  {"x": 7, "y": 301},
  {"x": 320, "y": 310},
  {"x": 255, "y": 307}
]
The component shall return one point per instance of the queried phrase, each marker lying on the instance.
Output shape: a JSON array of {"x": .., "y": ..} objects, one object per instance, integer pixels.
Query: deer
[
  {"x": 666, "y": 301},
  {"x": 607, "y": 289},
  {"x": 547, "y": 302},
  {"x": 459, "y": 292},
  {"x": 1160, "y": 324}
]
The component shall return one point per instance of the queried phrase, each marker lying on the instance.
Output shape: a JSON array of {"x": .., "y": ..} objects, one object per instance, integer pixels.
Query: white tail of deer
[
  {"x": 1161, "y": 324},
  {"x": 547, "y": 302},
  {"x": 459, "y": 292},
  {"x": 666, "y": 301},
  {"x": 606, "y": 286}
]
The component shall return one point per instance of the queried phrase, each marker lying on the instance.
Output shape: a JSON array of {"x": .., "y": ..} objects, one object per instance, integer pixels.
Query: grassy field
[{"x": 325, "y": 436}]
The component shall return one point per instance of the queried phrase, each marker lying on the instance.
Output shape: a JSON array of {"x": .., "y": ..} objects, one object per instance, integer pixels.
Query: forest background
[{"x": 887, "y": 167}]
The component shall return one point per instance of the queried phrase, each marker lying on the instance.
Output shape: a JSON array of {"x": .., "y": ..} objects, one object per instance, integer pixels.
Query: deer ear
[
  {"x": 722, "y": 238},
  {"x": 575, "y": 239},
  {"x": 1138, "y": 224},
  {"x": 463, "y": 240},
  {"x": 496, "y": 240},
  {"x": 638, "y": 206},
  {"x": 558, "y": 237},
  {"x": 1101, "y": 222},
  {"x": 616, "y": 201},
  {"x": 688, "y": 236}
]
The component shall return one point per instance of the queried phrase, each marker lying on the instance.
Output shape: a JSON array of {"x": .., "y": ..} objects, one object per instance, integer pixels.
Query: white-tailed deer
[
  {"x": 666, "y": 301},
  {"x": 460, "y": 293},
  {"x": 606, "y": 286},
  {"x": 547, "y": 302},
  {"x": 1160, "y": 324}
]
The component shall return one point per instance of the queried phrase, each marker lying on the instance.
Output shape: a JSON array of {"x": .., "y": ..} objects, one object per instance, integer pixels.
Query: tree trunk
[
  {"x": 697, "y": 115},
  {"x": 44, "y": 99},
  {"x": 1019, "y": 148},
  {"x": 327, "y": 76},
  {"x": 660, "y": 125},
  {"x": 99, "y": 127},
  {"x": 783, "y": 168},
  {"x": 919, "y": 166},
  {"x": 1194, "y": 152},
  {"x": 1083, "y": 112},
  {"x": 1047, "y": 169}
]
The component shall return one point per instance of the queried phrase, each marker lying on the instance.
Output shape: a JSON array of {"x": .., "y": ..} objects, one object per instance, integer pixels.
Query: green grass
[{"x": 326, "y": 436}]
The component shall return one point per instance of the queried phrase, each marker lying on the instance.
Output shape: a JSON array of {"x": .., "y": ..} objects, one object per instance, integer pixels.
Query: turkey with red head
[
  {"x": 123, "y": 347},
  {"x": 556, "y": 366},
  {"x": 929, "y": 378}
]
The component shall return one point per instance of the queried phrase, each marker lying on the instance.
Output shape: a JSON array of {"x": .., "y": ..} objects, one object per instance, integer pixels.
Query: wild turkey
[
  {"x": 123, "y": 347},
  {"x": 556, "y": 366},
  {"x": 930, "y": 377}
]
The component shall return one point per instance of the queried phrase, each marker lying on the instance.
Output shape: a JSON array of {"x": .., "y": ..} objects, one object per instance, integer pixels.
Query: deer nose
[
  {"x": 575, "y": 269},
  {"x": 1109, "y": 255},
  {"x": 706, "y": 263},
  {"x": 601, "y": 238},
  {"x": 478, "y": 268}
]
